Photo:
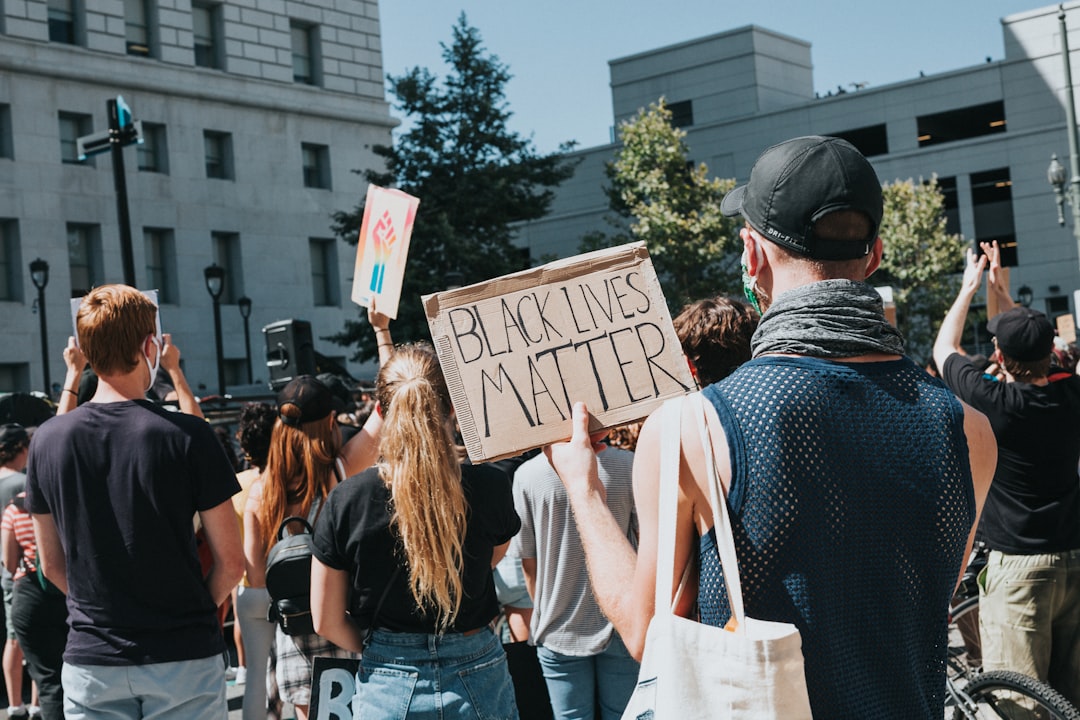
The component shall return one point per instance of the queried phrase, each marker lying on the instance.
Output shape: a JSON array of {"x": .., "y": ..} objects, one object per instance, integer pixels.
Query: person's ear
[
  {"x": 753, "y": 257},
  {"x": 873, "y": 260}
]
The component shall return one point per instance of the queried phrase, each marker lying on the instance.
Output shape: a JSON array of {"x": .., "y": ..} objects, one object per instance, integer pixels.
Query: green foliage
[
  {"x": 921, "y": 261},
  {"x": 474, "y": 177},
  {"x": 659, "y": 196}
]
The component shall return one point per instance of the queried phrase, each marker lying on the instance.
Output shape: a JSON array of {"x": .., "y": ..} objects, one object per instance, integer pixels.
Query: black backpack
[{"x": 288, "y": 579}]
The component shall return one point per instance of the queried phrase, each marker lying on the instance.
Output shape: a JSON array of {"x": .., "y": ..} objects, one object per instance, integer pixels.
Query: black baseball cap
[
  {"x": 1023, "y": 334},
  {"x": 796, "y": 183},
  {"x": 312, "y": 397}
]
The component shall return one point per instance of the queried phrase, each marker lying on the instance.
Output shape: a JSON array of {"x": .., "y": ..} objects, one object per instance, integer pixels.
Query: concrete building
[
  {"x": 987, "y": 132},
  {"x": 255, "y": 116}
]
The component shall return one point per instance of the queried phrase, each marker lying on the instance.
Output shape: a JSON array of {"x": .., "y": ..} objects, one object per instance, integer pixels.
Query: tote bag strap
[
  {"x": 668, "y": 502},
  {"x": 725, "y": 539}
]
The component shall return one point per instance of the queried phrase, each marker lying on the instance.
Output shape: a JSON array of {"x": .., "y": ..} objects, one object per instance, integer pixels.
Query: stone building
[{"x": 254, "y": 116}]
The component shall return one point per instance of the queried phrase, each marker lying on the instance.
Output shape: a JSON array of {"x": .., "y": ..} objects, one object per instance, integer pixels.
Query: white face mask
[{"x": 153, "y": 366}]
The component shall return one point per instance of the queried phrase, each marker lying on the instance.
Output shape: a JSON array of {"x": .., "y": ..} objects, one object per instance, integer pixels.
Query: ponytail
[{"x": 421, "y": 468}]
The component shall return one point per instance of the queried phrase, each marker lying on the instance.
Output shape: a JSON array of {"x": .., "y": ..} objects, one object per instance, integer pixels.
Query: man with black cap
[
  {"x": 1029, "y": 594},
  {"x": 853, "y": 478}
]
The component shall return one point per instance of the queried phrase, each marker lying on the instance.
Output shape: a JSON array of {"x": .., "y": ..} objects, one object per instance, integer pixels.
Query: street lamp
[
  {"x": 215, "y": 283},
  {"x": 39, "y": 274},
  {"x": 1025, "y": 295},
  {"x": 1056, "y": 172},
  {"x": 244, "y": 303}
]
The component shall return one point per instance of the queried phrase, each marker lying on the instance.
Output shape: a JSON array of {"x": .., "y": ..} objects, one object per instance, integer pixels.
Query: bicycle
[{"x": 1002, "y": 694}]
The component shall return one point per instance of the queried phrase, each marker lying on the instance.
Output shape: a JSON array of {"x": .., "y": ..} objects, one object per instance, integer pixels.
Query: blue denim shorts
[{"x": 428, "y": 677}]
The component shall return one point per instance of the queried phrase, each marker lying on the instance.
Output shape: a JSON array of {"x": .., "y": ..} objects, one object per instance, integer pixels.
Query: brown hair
[
  {"x": 112, "y": 323},
  {"x": 256, "y": 429},
  {"x": 299, "y": 468},
  {"x": 420, "y": 466},
  {"x": 1024, "y": 370},
  {"x": 715, "y": 335}
]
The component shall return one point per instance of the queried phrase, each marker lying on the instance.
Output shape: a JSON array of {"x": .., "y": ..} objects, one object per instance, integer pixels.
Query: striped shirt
[{"x": 18, "y": 520}]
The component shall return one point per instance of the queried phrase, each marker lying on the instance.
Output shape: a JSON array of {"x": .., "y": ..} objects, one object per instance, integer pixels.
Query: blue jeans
[
  {"x": 578, "y": 684},
  {"x": 427, "y": 677},
  {"x": 182, "y": 690}
]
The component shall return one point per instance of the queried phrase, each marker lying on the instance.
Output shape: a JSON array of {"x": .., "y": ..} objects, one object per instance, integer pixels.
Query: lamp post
[
  {"x": 1056, "y": 172},
  {"x": 244, "y": 304},
  {"x": 215, "y": 283},
  {"x": 39, "y": 274}
]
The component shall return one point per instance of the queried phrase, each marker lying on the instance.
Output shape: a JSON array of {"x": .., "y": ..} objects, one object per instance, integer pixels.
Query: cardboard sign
[
  {"x": 519, "y": 350},
  {"x": 1066, "y": 328},
  {"x": 383, "y": 246},
  {"x": 333, "y": 684}
]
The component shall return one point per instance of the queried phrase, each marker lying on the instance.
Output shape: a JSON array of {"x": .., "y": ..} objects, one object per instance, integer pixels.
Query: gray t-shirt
[{"x": 567, "y": 618}]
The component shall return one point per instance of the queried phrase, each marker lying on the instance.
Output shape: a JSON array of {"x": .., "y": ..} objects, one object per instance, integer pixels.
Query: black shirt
[
  {"x": 1034, "y": 501},
  {"x": 123, "y": 481},
  {"x": 353, "y": 534}
]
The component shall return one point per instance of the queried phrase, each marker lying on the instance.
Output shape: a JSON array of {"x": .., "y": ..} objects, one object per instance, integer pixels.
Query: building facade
[
  {"x": 255, "y": 116},
  {"x": 987, "y": 132}
]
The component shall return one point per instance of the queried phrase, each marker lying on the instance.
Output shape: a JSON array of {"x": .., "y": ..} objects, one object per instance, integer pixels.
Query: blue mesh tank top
[{"x": 851, "y": 503}]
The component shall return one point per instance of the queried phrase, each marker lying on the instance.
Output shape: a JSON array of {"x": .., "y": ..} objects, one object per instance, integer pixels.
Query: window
[
  {"x": 316, "y": 159},
  {"x": 7, "y": 149},
  {"x": 870, "y": 140},
  {"x": 305, "y": 59},
  {"x": 961, "y": 124},
  {"x": 206, "y": 27},
  {"x": 84, "y": 257},
  {"x": 227, "y": 255},
  {"x": 61, "y": 15},
  {"x": 10, "y": 264},
  {"x": 137, "y": 27},
  {"x": 947, "y": 186},
  {"x": 161, "y": 263},
  {"x": 72, "y": 127},
  {"x": 682, "y": 113},
  {"x": 153, "y": 153},
  {"x": 14, "y": 377},
  {"x": 991, "y": 200},
  {"x": 324, "y": 272},
  {"x": 218, "y": 147}
]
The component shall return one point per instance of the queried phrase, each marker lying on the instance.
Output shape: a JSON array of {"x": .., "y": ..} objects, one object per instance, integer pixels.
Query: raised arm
[
  {"x": 170, "y": 360},
  {"x": 997, "y": 280},
  {"x": 76, "y": 363},
  {"x": 381, "y": 324},
  {"x": 952, "y": 327}
]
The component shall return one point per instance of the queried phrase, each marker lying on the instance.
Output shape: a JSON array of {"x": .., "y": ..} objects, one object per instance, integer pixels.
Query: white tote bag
[{"x": 692, "y": 671}]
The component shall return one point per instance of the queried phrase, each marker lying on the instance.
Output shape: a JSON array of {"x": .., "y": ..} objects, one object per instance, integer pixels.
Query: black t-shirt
[
  {"x": 353, "y": 534},
  {"x": 123, "y": 482},
  {"x": 1034, "y": 501}
]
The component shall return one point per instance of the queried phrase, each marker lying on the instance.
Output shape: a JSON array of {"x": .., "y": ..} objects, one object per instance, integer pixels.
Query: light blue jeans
[
  {"x": 578, "y": 684},
  {"x": 160, "y": 691},
  {"x": 427, "y": 677}
]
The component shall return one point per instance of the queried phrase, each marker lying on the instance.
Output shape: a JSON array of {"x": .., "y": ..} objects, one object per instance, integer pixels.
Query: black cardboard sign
[{"x": 519, "y": 350}]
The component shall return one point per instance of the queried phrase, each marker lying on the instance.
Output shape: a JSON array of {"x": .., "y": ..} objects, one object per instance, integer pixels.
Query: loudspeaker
[{"x": 289, "y": 351}]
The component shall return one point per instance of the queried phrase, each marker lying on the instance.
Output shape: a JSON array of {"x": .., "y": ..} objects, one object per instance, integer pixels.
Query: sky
[{"x": 558, "y": 50}]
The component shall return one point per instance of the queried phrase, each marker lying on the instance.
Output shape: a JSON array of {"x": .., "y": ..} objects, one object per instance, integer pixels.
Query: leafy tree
[
  {"x": 659, "y": 196},
  {"x": 474, "y": 177},
  {"x": 921, "y": 260}
]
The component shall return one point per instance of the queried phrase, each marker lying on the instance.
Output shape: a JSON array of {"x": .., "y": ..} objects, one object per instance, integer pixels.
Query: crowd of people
[{"x": 855, "y": 482}]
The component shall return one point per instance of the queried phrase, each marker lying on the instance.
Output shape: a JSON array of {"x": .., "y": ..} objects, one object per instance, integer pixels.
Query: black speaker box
[{"x": 289, "y": 351}]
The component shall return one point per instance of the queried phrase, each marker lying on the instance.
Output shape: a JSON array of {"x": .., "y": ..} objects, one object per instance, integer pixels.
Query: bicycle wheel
[{"x": 1011, "y": 696}]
